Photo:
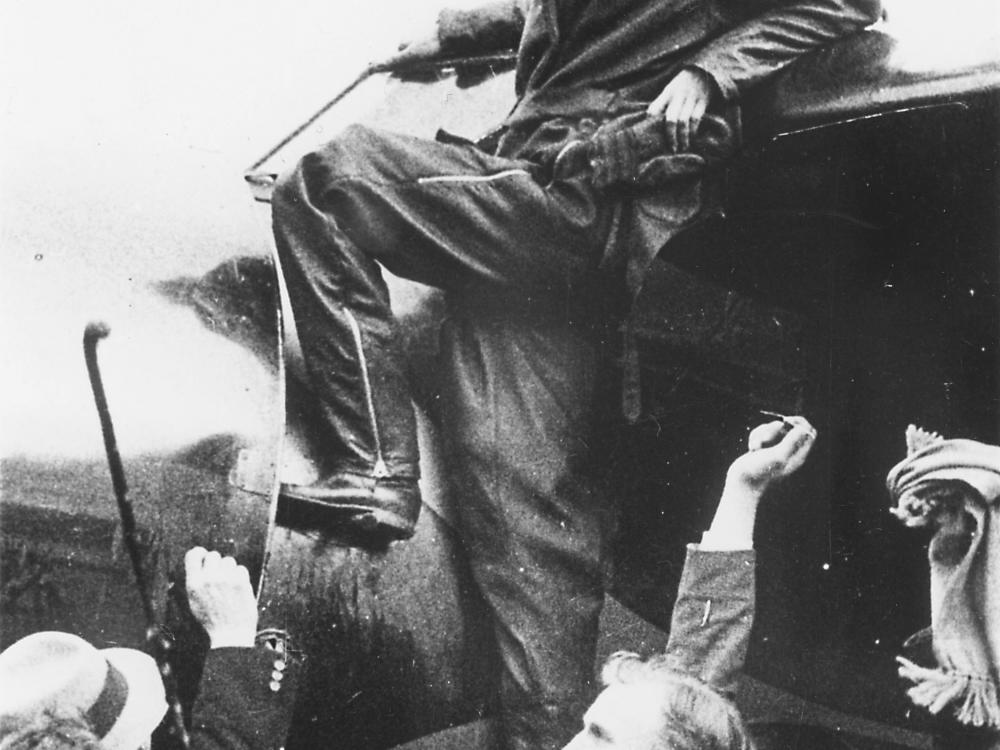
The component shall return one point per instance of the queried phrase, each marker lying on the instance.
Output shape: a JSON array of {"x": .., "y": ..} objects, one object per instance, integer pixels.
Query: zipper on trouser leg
[{"x": 379, "y": 469}]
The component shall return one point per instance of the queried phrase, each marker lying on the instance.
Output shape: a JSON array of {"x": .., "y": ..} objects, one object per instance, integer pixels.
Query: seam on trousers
[{"x": 472, "y": 178}]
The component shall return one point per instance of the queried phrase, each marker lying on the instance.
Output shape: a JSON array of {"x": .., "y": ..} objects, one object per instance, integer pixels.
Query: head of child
[{"x": 646, "y": 705}]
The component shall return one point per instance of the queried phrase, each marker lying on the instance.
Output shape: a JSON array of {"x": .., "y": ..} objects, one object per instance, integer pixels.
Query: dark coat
[
  {"x": 242, "y": 702},
  {"x": 712, "y": 617}
]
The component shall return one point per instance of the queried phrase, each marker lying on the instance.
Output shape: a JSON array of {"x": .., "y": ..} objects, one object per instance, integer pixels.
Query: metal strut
[{"x": 416, "y": 66}]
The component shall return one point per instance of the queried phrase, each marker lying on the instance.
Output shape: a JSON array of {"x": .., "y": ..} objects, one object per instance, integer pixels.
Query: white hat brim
[{"x": 145, "y": 704}]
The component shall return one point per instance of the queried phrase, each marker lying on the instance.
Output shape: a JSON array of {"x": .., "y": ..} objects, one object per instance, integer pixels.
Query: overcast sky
[
  {"x": 125, "y": 127},
  {"x": 125, "y": 119}
]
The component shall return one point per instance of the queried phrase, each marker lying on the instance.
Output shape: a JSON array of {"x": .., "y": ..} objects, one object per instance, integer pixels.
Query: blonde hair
[
  {"x": 695, "y": 717},
  {"x": 53, "y": 732}
]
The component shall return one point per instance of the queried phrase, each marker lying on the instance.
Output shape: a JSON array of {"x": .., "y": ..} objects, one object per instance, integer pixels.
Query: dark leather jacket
[
  {"x": 590, "y": 61},
  {"x": 588, "y": 64},
  {"x": 584, "y": 57}
]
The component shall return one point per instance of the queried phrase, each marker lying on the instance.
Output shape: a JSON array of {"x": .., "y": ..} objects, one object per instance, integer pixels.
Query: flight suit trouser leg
[
  {"x": 448, "y": 215},
  {"x": 519, "y": 408}
]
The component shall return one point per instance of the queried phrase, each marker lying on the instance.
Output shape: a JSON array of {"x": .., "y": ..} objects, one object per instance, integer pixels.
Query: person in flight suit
[{"x": 623, "y": 107}]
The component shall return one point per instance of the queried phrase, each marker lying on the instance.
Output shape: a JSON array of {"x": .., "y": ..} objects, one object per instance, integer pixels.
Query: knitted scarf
[{"x": 953, "y": 486}]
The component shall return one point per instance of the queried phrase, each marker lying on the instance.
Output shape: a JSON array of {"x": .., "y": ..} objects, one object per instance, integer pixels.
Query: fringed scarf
[{"x": 954, "y": 486}]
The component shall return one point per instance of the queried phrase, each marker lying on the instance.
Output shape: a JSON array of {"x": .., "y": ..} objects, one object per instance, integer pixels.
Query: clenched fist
[{"x": 221, "y": 598}]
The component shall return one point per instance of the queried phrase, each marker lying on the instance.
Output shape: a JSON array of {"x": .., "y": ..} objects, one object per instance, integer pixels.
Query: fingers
[
  {"x": 797, "y": 421},
  {"x": 796, "y": 446},
  {"x": 676, "y": 105},
  {"x": 676, "y": 129},
  {"x": 799, "y": 439},
  {"x": 791, "y": 451},
  {"x": 658, "y": 106},
  {"x": 193, "y": 557},
  {"x": 683, "y": 116},
  {"x": 766, "y": 434},
  {"x": 773, "y": 432},
  {"x": 777, "y": 449},
  {"x": 221, "y": 598},
  {"x": 201, "y": 565},
  {"x": 682, "y": 104},
  {"x": 194, "y": 561}
]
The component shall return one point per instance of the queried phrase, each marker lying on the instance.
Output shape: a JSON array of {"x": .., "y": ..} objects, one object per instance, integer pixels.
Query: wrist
[
  {"x": 718, "y": 83},
  {"x": 231, "y": 638},
  {"x": 733, "y": 524},
  {"x": 739, "y": 497}
]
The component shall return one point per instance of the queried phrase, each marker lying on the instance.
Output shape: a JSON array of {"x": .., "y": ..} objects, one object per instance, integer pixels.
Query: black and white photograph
[{"x": 500, "y": 375}]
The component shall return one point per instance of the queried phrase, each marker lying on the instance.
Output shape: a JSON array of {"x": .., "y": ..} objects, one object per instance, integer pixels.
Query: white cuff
[{"x": 724, "y": 542}]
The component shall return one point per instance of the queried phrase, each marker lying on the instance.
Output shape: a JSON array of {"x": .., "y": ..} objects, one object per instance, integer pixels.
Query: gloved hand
[{"x": 635, "y": 151}]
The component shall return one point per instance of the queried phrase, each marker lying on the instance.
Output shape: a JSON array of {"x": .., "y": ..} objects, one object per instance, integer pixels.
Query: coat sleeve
[
  {"x": 768, "y": 41},
  {"x": 712, "y": 617},
  {"x": 491, "y": 27},
  {"x": 245, "y": 700}
]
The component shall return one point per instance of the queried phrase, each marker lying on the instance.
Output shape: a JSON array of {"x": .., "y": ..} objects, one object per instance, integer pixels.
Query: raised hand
[
  {"x": 221, "y": 598},
  {"x": 776, "y": 450}
]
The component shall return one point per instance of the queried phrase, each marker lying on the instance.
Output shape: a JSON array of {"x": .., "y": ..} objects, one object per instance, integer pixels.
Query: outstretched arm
[
  {"x": 713, "y": 614},
  {"x": 752, "y": 51},
  {"x": 246, "y": 694},
  {"x": 776, "y": 450}
]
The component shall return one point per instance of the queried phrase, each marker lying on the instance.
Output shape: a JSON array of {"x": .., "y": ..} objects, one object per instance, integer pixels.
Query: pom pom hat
[{"x": 953, "y": 486}]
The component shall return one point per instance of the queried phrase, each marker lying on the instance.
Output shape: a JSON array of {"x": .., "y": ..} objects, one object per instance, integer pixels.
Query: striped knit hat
[{"x": 953, "y": 486}]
